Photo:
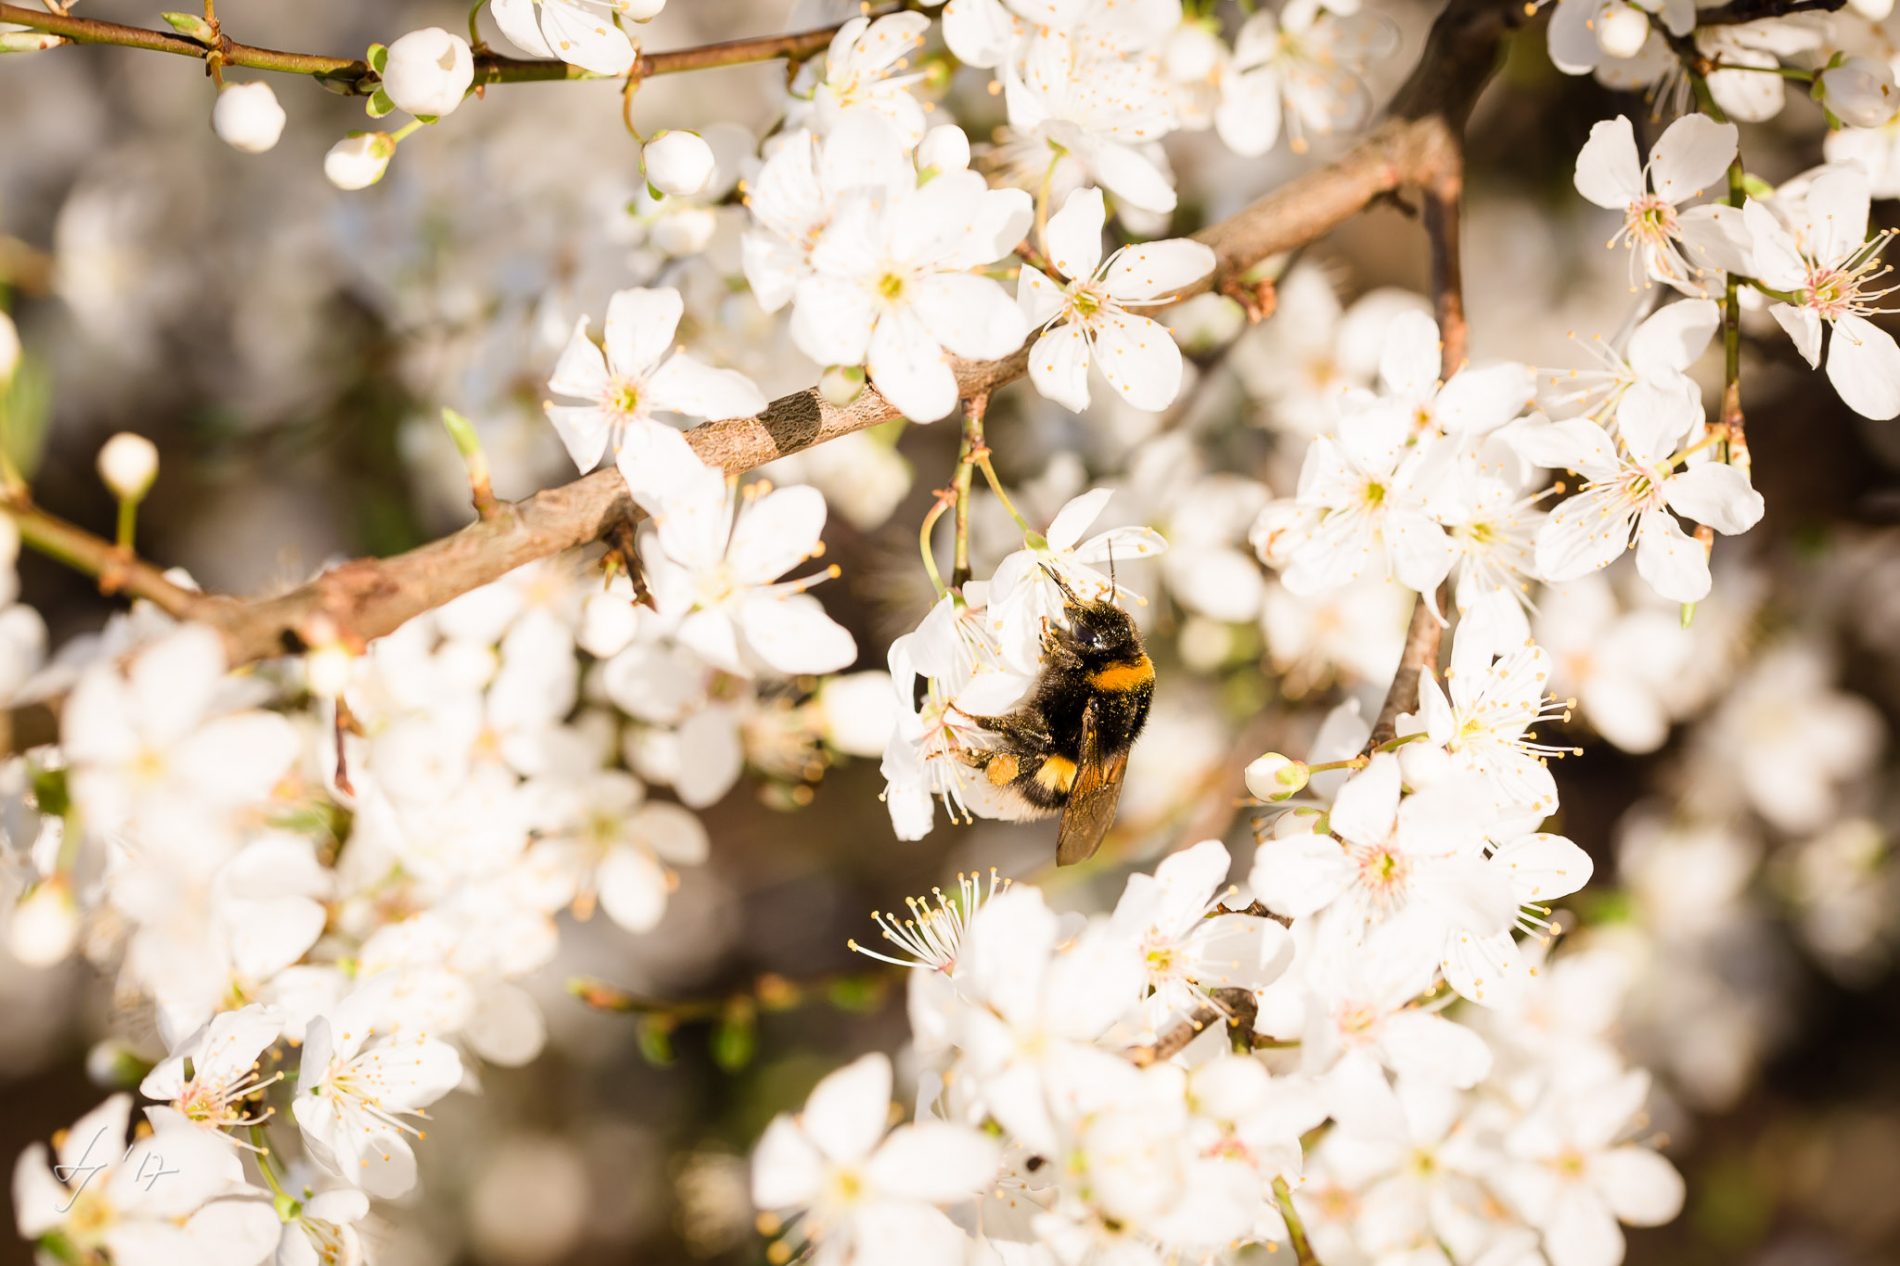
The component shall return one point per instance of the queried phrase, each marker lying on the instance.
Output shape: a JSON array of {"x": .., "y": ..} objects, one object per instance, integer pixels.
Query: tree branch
[
  {"x": 117, "y": 570},
  {"x": 364, "y": 599},
  {"x": 1421, "y": 652},
  {"x": 1460, "y": 55},
  {"x": 353, "y": 75},
  {"x": 1235, "y": 1008}
]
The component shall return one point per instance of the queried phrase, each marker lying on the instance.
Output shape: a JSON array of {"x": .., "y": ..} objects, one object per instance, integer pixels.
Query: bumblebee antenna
[
  {"x": 1114, "y": 590},
  {"x": 1061, "y": 584}
]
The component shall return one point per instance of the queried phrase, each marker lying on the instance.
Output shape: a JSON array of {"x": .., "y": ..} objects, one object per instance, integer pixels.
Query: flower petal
[
  {"x": 640, "y": 327},
  {"x": 909, "y": 366},
  {"x": 1691, "y": 155},
  {"x": 1863, "y": 363},
  {"x": 1075, "y": 234},
  {"x": 794, "y": 635},
  {"x": 846, "y": 1112},
  {"x": 685, "y": 384},
  {"x": 776, "y": 533},
  {"x": 1673, "y": 562},
  {"x": 1059, "y": 366},
  {"x": 1139, "y": 359},
  {"x": 1609, "y": 172},
  {"x": 1717, "y": 495},
  {"x": 1152, "y": 270},
  {"x": 1670, "y": 339}
]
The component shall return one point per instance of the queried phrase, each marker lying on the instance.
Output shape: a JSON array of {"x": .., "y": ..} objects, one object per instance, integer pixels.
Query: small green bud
[
  {"x": 192, "y": 27},
  {"x": 839, "y": 385}
]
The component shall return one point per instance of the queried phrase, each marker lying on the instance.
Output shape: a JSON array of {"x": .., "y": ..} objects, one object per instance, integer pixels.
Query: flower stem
[
  {"x": 1295, "y": 1229},
  {"x": 1786, "y": 72},
  {"x": 128, "y": 522},
  {"x": 1043, "y": 193},
  {"x": 923, "y": 542},
  {"x": 972, "y": 444},
  {"x": 1034, "y": 538},
  {"x": 1356, "y": 762},
  {"x": 260, "y": 1139}
]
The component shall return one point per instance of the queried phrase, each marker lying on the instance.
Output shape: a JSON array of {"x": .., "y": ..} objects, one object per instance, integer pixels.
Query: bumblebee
[{"x": 1066, "y": 748}]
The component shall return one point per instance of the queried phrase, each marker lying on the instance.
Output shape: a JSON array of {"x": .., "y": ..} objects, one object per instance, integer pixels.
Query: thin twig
[
  {"x": 1443, "y": 195},
  {"x": 1235, "y": 1008},
  {"x": 353, "y": 75},
  {"x": 971, "y": 445},
  {"x": 117, "y": 570},
  {"x": 1421, "y": 652}
]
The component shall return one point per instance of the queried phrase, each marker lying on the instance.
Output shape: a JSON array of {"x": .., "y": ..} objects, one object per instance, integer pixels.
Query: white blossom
[
  {"x": 582, "y": 33},
  {"x": 1687, "y": 160},
  {"x": 1085, "y": 319},
  {"x": 853, "y": 1193},
  {"x": 639, "y": 375},
  {"x": 1818, "y": 252}
]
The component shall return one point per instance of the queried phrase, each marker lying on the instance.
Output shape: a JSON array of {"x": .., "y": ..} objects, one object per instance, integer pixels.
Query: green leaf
[
  {"x": 656, "y": 1039},
  {"x": 462, "y": 431},
  {"x": 736, "y": 1039},
  {"x": 26, "y": 406},
  {"x": 855, "y": 993},
  {"x": 49, "y": 792},
  {"x": 378, "y": 57},
  {"x": 379, "y": 104}
]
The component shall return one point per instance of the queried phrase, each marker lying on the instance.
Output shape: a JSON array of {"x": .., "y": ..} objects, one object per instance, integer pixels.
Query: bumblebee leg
[{"x": 1025, "y": 730}]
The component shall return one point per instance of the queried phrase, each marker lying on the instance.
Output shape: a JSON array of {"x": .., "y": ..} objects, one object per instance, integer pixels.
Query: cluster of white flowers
[
  {"x": 1421, "y": 478},
  {"x": 327, "y": 882},
  {"x": 1353, "y": 1049}
]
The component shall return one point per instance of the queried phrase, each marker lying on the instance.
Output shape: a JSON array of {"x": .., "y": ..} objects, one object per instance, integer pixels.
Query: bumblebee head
[{"x": 1098, "y": 629}]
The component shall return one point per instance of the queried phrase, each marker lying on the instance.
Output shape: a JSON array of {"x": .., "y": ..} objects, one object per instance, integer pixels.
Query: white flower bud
[
  {"x": 687, "y": 231},
  {"x": 609, "y": 620},
  {"x": 1193, "y": 53},
  {"x": 114, "y": 1065},
  {"x": 859, "y": 711},
  {"x": 9, "y": 348},
  {"x": 128, "y": 463},
  {"x": 247, "y": 117},
  {"x": 357, "y": 162},
  {"x": 29, "y": 41},
  {"x": 678, "y": 163},
  {"x": 45, "y": 925},
  {"x": 1205, "y": 644},
  {"x": 1872, "y": 10},
  {"x": 1622, "y": 30},
  {"x": 839, "y": 385},
  {"x": 428, "y": 72},
  {"x": 1206, "y": 321},
  {"x": 944, "y": 148},
  {"x": 642, "y": 10},
  {"x": 1276, "y": 777},
  {"x": 1859, "y": 91},
  {"x": 326, "y": 670}
]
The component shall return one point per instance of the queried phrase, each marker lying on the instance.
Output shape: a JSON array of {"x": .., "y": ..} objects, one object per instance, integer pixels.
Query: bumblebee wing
[{"x": 1092, "y": 797}]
